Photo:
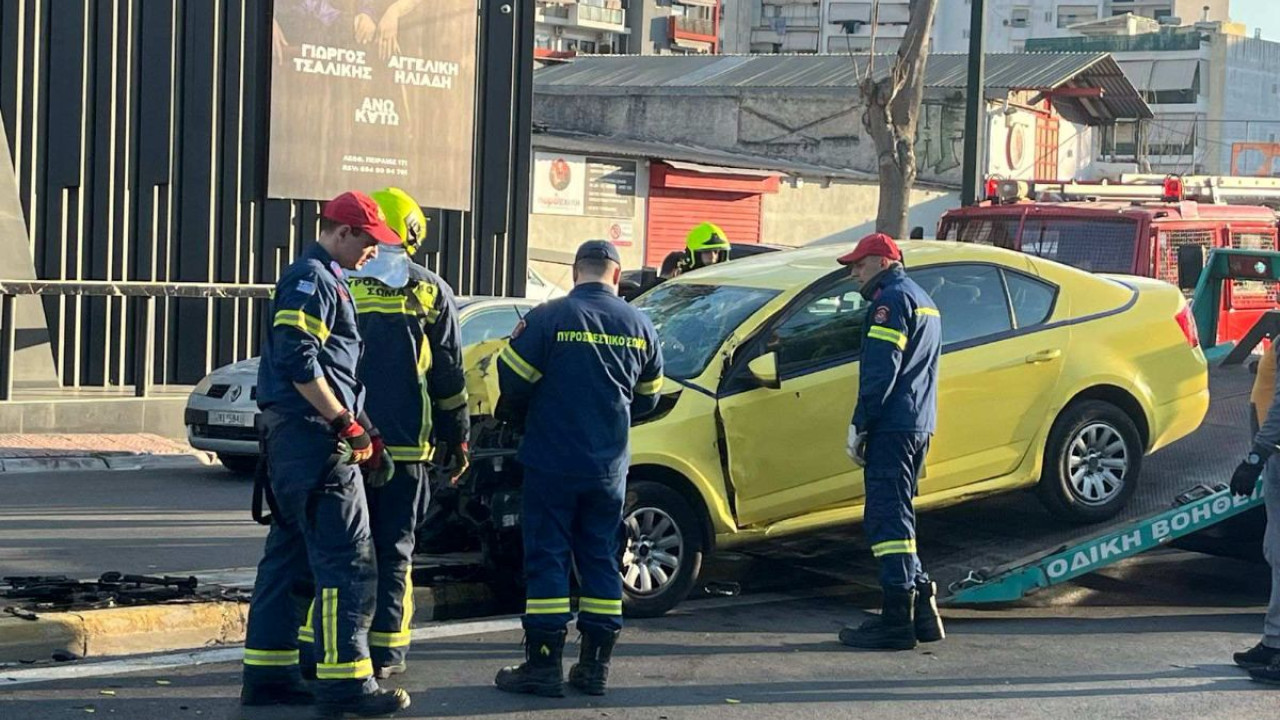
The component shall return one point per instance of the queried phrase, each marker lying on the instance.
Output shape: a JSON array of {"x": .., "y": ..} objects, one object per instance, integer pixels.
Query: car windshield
[{"x": 693, "y": 321}]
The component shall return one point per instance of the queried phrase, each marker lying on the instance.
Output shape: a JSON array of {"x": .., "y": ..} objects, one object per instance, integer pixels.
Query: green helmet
[
  {"x": 404, "y": 216},
  {"x": 707, "y": 236}
]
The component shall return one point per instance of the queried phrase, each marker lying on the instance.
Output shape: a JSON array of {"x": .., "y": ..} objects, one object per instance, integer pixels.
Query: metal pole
[
  {"x": 9, "y": 330},
  {"x": 146, "y": 339},
  {"x": 975, "y": 107}
]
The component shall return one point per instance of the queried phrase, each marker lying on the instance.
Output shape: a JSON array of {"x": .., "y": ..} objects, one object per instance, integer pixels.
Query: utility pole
[{"x": 975, "y": 107}]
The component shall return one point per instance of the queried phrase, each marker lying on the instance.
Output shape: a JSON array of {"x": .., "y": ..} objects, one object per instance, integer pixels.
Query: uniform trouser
[
  {"x": 894, "y": 461},
  {"x": 395, "y": 511},
  {"x": 1271, "y": 550},
  {"x": 574, "y": 520},
  {"x": 320, "y": 533}
]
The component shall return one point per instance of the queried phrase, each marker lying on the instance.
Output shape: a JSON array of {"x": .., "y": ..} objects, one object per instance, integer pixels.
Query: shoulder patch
[
  {"x": 336, "y": 268},
  {"x": 306, "y": 287},
  {"x": 881, "y": 314}
]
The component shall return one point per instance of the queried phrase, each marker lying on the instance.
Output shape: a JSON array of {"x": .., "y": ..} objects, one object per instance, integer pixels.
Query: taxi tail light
[{"x": 1187, "y": 323}]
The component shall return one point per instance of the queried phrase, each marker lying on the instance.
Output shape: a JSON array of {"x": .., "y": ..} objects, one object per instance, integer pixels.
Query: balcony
[
  {"x": 699, "y": 29},
  {"x": 595, "y": 14}
]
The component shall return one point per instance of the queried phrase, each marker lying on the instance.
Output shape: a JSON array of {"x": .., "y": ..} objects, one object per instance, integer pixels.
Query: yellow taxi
[{"x": 1050, "y": 377}]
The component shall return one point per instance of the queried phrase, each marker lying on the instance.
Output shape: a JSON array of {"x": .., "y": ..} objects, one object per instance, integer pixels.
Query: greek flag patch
[{"x": 306, "y": 287}]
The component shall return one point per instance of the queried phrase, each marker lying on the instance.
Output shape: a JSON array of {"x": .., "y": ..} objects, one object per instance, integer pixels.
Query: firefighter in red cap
[{"x": 889, "y": 438}]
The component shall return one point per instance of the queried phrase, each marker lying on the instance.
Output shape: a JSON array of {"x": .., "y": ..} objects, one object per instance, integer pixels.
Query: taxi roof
[{"x": 795, "y": 268}]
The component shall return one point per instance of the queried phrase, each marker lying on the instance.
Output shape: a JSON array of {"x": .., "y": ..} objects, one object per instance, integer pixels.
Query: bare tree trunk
[{"x": 892, "y": 109}]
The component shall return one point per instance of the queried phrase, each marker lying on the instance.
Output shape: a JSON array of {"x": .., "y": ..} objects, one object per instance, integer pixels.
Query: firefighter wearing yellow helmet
[
  {"x": 706, "y": 244},
  {"x": 409, "y": 316}
]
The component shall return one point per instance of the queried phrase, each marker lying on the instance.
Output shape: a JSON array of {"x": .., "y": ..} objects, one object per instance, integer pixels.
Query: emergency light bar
[{"x": 1216, "y": 189}]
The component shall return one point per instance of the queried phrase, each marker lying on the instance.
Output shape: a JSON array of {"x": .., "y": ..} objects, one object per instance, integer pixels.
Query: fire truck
[{"x": 1135, "y": 226}]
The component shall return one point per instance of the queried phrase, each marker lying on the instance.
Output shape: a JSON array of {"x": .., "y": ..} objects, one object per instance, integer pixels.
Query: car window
[
  {"x": 971, "y": 299},
  {"x": 694, "y": 320},
  {"x": 1092, "y": 244},
  {"x": 824, "y": 330},
  {"x": 1001, "y": 231},
  {"x": 1032, "y": 299},
  {"x": 488, "y": 324}
]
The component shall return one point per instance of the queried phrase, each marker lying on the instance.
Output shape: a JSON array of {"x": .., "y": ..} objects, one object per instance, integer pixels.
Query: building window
[
  {"x": 1020, "y": 17},
  {"x": 587, "y": 47},
  {"x": 1162, "y": 13},
  {"x": 1072, "y": 14},
  {"x": 542, "y": 41}
]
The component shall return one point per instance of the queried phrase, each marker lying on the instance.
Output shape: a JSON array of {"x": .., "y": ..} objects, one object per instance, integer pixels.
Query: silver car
[{"x": 222, "y": 411}]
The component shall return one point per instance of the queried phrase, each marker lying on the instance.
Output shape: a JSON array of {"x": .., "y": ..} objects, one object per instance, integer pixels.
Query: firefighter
[
  {"x": 1263, "y": 660},
  {"x": 576, "y": 372},
  {"x": 315, "y": 435},
  {"x": 416, "y": 394},
  {"x": 889, "y": 436},
  {"x": 706, "y": 244}
]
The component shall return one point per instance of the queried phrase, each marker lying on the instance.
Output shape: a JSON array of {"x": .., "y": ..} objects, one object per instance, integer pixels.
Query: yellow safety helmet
[
  {"x": 707, "y": 236},
  {"x": 404, "y": 215}
]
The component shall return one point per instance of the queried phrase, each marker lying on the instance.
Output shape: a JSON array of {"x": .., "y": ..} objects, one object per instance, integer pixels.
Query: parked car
[
  {"x": 1051, "y": 377},
  {"x": 635, "y": 282},
  {"x": 222, "y": 411}
]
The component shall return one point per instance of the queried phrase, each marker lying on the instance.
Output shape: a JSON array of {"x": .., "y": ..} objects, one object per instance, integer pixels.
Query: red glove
[
  {"x": 350, "y": 429},
  {"x": 379, "y": 447}
]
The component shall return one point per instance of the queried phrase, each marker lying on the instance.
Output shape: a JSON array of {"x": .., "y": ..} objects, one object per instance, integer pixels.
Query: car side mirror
[
  {"x": 765, "y": 370},
  {"x": 1190, "y": 265}
]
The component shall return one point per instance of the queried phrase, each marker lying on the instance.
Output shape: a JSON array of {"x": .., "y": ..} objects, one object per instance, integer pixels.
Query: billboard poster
[
  {"x": 370, "y": 93},
  {"x": 580, "y": 185}
]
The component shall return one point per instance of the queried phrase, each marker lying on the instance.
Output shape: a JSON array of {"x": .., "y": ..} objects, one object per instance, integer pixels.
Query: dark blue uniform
[
  {"x": 417, "y": 396},
  {"x": 897, "y": 408},
  {"x": 321, "y": 524},
  {"x": 579, "y": 370}
]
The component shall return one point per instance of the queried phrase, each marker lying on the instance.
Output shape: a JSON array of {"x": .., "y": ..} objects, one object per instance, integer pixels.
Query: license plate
[{"x": 234, "y": 419}]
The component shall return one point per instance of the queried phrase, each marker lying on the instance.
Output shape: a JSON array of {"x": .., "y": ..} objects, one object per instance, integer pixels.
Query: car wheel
[
  {"x": 662, "y": 555},
  {"x": 239, "y": 464},
  {"x": 1092, "y": 462}
]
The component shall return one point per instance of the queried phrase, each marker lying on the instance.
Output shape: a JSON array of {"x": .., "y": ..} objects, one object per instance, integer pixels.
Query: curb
[
  {"x": 184, "y": 626},
  {"x": 105, "y": 461}
]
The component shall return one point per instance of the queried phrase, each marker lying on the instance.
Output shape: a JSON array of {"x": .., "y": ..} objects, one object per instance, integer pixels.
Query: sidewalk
[
  {"x": 741, "y": 658},
  {"x": 95, "y": 451}
]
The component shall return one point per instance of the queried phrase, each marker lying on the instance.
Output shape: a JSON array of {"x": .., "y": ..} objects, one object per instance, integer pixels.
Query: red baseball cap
[
  {"x": 874, "y": 244},
  {"x": 362, "y": 213}
]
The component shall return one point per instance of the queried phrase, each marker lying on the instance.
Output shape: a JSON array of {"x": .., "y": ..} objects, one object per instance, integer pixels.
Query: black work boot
[
  {"x": 928, "y": 621},
  {"x": 1258, "y": 656},
  {"x": 591, "y": 672},
  {"x": 893, "y": 629},
  {"x": 541, "y": 672},
  {"x": 379, "y": 703},
  {"x": 1269, "y": 674},
  {"x": 276, "y": 693}
]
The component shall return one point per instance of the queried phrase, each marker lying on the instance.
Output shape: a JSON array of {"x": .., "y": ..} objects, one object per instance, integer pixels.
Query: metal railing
[
  {"x": 145, "y": 294},
  {"x": 702, "y": 27}
]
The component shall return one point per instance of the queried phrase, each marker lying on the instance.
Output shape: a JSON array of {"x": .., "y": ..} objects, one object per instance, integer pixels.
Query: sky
[{"x": 1263, "y": 14}]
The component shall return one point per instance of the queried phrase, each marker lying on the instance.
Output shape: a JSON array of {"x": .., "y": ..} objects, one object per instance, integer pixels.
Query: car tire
[
  {"x": 1092, "y": 462},
  {"x": 663, "y": 543},
  {"x": 239, "y": 464}
]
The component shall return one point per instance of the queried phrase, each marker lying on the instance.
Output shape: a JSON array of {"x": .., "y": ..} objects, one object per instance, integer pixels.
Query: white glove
[{"x": 856, "y": 446}]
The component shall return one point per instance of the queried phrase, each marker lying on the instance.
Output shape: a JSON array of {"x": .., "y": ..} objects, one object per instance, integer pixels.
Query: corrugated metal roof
[
  {"x": 1015, "y": 71},
  {"x": 581, "y": 144}
]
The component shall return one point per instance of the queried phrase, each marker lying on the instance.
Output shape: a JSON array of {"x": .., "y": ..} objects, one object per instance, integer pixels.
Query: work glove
[
  {"x": 1245, "y": 478},
  {"x": 350, "y": 431},
  {"x": 379, "y": 468},
  {"x": 454, "y": 459},
  {"x": 856, "y": 446}
]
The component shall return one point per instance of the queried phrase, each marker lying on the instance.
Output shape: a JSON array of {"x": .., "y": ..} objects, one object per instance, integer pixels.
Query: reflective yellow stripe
[
  {"x": 270, "y": 658},
  {"x": 424, "y": 357},
  {"x": 649, "y": 387},
  {"x": 894, "y": 547},
  {"x": 330, "y": 597},
  {"x": 519, "y": 365},
  {"x": 345, "y": 671},
  {"x": 411, "y": 453},
  {"x": 929, "y": 312},
  {"x": 307, "y": 633},
  {"x": 389, "y": 640},
  {"x": 406, "y": 605},
  {"x": 453, "y": 402},
  {"x": 880, "y": 332},
  {"x": 546, "y": 606},
  {"x": 600, "y": 606},
  {"x": 306, "y": 323}
]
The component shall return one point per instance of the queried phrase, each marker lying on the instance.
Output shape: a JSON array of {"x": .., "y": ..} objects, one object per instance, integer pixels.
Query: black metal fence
[{"x": 138, "y": 130}]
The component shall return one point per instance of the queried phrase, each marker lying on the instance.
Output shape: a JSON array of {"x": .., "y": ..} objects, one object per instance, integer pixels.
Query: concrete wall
[
  {"x": 820, "y": 128},
  {"x": 807, "y": 212},
  {"x": 1245, "y": 99}
]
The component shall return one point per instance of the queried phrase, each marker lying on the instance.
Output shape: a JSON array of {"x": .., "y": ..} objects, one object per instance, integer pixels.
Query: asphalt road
[{"x": 82, "y": 524}]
